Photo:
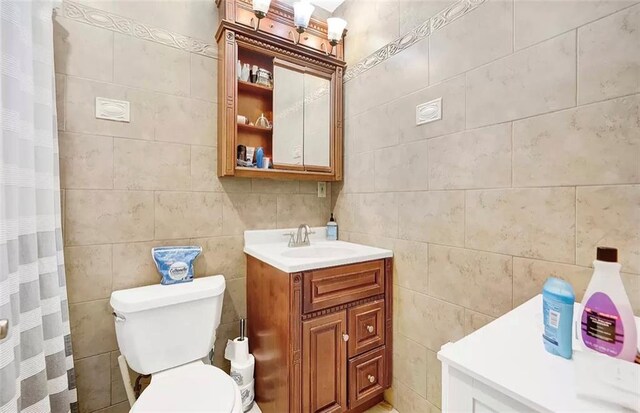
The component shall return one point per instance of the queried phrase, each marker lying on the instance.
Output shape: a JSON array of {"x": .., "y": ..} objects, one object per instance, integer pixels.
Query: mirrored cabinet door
[
  {"x": 317, "y": 122},
  {"x": 288, "y": 109}
]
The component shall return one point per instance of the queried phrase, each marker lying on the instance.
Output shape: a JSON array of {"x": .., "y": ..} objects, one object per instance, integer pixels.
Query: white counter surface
[{"x": 271, "y": 247}]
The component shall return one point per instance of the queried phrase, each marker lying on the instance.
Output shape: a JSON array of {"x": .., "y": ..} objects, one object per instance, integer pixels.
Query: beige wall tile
[
  {"x": 558, "y": 17},
  {"x": 86, "y": 161},
  {"x": 344, "y": 205},
  {"x": 221, "y": 255},
  {"x": 61, "y": 86},
  {"x": 372, "y": 130},
  {"x": 410, "y": 364},
  {"x": 73, "y": 42},
  {"x": 474, "y": 321},
  {"x": 133, "y": 264},
  {"x": 118, "y": 392},
  {"x": 535, "y": 223},
  {"x": 400, "y": 79},
  {"x": 80, "y": 109},
  {"x": 234, "y": 306},
  {"x": 92, "y": 331},
  {"x": 476, "y": 280},
  {"x": 358, "y": 170},
  {"x": 415, "y": 12},
  {"x": 609, "y": 216},
  {"x": 595, "y": 144},
  {"x": 479, "y": 158},
  {"x": 185, "y": 120},
  {"x": 407, "y": 401},
  {"x": 632, "y": 286},
  {"x": 148, "y": 65},
  {"x": 609, "y": 57},
  {"x": 248, "y": 211},
  {"x": 411, "y": 263},
  {"x": 473, "y": 40},
  {"x": 204, "y": 176},
  {"x": 165, "y": 166},
  {"x": 446, "y": 320},
  {"x": 371, "y": 240},
  {"x": 530, "y": 275},
  {"x": 434, "y": 379},
  {"x": 268, "y": 186},
  {"x": 188, "y": 214},
  {"x": 88, "y": 271},
  {"x": 99, "y": 217},
  {"x": 93, "y": 384},
  {"x": 402, "y": 168},
  {"x": 311, "y": 187},
  {"x": 364, "y": 38},
  {"x": 296, "y": 209},
  {"x": 123, "y": 407},
  {"x": 376, "y": 214},
  {"x": 403, "y": 111},
  {"x": 204, "y": 78},
  {"x": 530, "y": 82},
  {"x": 436, "y": 216}
]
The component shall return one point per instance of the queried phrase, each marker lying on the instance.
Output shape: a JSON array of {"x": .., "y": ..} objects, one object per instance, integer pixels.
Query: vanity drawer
[
  {"x": 329, "y": 287},
  {"x": 366, "y": 376},
  {"x": 366, "y": 327}
]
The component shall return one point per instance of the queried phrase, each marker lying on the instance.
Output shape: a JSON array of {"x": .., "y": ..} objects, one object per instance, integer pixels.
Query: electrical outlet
[{"x": 322, "y": 189}]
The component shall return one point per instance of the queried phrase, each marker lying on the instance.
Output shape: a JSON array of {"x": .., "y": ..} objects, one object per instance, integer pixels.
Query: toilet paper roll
[
  {"x": 242, "y": 372},
  {"x": 248, "y": 395},
  {"x": 237, "y": 350}
]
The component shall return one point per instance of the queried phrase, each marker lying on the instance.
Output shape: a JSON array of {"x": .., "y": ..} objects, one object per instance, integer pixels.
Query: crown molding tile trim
[
  {"x": 124, "y": 25},
  {"x": 427, "y": 28}
]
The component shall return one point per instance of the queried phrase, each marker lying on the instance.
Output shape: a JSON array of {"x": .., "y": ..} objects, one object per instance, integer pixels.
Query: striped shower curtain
[{"x": 36, "y": 364}]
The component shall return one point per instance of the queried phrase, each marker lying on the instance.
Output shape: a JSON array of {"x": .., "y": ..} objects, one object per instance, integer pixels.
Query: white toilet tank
[{"x": 163, "y": 326}]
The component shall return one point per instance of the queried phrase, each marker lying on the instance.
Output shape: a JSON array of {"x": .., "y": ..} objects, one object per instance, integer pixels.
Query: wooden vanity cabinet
[{"x": 322, "y": 338}]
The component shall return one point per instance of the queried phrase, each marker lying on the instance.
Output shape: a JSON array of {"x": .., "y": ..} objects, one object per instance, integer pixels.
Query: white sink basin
[
  {"x": 318, "y": 252},
  {"x": 270, "y": 246}
]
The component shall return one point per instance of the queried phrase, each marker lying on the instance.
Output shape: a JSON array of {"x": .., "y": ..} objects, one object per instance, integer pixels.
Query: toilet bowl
[{"x": 166, "y": 331}]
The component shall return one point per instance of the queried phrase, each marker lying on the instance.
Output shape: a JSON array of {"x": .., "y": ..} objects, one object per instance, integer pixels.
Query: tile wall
[
  {"x": 535, "y": 162},
  {"x": 128, "y": 187}
]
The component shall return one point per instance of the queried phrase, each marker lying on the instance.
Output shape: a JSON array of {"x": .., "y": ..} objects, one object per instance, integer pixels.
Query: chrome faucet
[{"x": 297, "y": 240}]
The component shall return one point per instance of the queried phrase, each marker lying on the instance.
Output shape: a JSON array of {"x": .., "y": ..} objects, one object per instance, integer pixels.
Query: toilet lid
[{"x": 192, "y": 388}]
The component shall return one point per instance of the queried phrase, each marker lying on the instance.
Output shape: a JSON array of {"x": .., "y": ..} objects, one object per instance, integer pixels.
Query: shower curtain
[{"x": 36, "y": 364}]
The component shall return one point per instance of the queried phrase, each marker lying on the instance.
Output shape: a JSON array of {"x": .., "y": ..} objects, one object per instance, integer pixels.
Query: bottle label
[{"x": 601, "y": 325}]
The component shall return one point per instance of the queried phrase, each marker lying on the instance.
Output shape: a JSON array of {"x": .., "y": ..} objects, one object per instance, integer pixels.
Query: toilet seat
[{"x": 194, "y": 387}]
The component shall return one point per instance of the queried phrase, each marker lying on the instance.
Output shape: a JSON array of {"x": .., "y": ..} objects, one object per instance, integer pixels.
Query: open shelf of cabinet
[
  {"x": 249, "y": 87},
  {"x": 254, "y": 128}
]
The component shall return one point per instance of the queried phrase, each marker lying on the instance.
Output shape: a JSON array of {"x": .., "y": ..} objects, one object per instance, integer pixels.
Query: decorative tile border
[
  {"x": 124, "y": 25},
  {"x": 443, "y": 18}
]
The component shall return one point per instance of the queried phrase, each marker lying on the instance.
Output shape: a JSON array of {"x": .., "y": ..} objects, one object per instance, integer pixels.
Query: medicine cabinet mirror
[{"x": 278, "y": 95}]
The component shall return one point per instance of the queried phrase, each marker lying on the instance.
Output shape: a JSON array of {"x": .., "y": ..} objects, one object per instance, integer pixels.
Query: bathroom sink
[
  {"x": 318, "y": 252},
  {"x": 271, "y": 246}
]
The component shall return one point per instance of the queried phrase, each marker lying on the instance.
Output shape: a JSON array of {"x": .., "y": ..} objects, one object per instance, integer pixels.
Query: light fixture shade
[
  {"x": 261, "y": 6},
  {"x": 302, "y": 11},
  {"x": 335, "y": 28}
]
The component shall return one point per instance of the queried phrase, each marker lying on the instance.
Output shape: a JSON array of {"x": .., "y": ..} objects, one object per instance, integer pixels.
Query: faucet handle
[{"x": 292, "y": 237}]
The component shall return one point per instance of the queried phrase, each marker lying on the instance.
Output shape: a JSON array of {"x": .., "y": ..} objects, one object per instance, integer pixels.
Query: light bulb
[
  {"x": 302, "y": 11},
  {"x": 335, "y": 29}
]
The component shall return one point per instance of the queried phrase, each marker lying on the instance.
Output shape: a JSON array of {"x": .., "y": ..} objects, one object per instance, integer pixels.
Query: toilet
[{"x": 167, "y": 331}]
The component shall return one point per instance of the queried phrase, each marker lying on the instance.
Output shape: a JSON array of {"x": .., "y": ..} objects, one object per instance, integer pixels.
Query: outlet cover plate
[
  {"x": 112, "y": 109},
  {"x": 429, "y": 112},
  {"x": 322, "y": 189}
]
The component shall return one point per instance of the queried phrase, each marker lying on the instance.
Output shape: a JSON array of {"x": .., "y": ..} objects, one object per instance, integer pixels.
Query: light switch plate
[
  {"x": 111, "y": 109},
  {"x": 322, "y": 189},
  {"x": 429, "y": 111}
]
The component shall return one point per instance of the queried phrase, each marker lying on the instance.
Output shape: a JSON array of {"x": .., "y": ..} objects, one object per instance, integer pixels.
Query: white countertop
[
  {"x": 508, "y": 354},
  {"x": 271, "y": 247}
]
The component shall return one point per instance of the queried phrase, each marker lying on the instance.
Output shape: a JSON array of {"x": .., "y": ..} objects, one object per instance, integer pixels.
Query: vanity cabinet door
[{"x": 324, "y": 364}]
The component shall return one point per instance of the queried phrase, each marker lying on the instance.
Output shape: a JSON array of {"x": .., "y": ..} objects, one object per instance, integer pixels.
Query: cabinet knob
[
  {"x": 370, "y": 329},
  {"x": 371, "y": 378},
  {"x": 345, "y": 337}
]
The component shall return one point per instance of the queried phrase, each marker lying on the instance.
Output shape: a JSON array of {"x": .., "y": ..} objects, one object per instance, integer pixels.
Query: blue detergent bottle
[{"x": 557, "y": 312}]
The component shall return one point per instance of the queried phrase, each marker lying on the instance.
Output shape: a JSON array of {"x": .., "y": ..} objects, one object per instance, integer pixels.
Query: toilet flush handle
[{"x": 119, "y": 318}]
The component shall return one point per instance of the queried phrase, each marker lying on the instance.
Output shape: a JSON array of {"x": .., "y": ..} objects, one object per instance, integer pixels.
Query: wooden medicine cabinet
[{"x": 291, "y": 106}]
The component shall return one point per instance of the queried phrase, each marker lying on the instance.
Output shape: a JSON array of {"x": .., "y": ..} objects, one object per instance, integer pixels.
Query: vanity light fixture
[
  {"x": 335, "y": 31},
  {"x": 260, "y": 9},
  {"x": 302, "y": 11}
]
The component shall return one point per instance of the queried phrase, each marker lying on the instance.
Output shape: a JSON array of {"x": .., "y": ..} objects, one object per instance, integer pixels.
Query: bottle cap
[{"x": 607, "y": 254}]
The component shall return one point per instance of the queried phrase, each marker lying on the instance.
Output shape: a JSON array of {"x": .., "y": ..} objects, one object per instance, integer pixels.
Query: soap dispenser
[{"x": 332, "y": 229}]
